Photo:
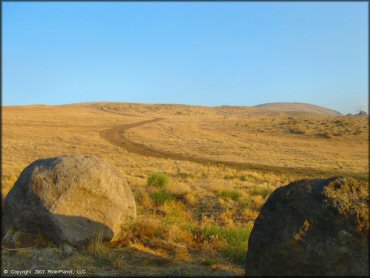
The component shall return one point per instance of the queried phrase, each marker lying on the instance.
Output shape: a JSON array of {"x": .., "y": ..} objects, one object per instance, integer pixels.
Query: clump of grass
[
  {"x": 97, "y": 248},
  {"x": 236, "y": 238},
  {"x": 262, "y": 190},
  {"x": 161, "y": 197},
  {"x": 142, "y": 197},
  {"x": 175, "y": 213},
  {"x": 179, "y": 190},
  {"x": 158, "y": 180},
  {"x": 256, "y": 203},
  {"x": 326, "y": 134},
  {"x": 226, "y": 194},
  {"x": 245, "y": 203},
  {"x": 146, "y": 229}
]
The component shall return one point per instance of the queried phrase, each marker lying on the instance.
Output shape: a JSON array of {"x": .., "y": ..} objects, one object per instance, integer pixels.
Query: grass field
[{"x": 199, "y": 175}]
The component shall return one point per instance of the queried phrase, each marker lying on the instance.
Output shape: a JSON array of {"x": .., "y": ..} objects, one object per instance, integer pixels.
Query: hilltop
[
  {"x": 276, "y": 109},
  {"x": 299, "y": 107}
]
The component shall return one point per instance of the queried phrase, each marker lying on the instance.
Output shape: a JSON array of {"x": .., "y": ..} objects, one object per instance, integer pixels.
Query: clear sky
[{"x": 210, "y": 53}]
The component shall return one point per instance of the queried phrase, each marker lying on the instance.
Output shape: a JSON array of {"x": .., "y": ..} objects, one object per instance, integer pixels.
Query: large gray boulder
[
  {"x": 312, "y": 227},
  {"x": 70, "y": 199}
]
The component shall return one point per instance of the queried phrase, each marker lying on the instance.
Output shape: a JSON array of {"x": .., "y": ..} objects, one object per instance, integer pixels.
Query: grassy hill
[
  {"x": 299, "y": 107},
  {"x": 222, "y": 163}
]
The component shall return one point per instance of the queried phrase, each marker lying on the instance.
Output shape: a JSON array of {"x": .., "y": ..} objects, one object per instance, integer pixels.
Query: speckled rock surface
[
  {"x": 312, "y": 227},
  {"x": 70, "y": 199}
]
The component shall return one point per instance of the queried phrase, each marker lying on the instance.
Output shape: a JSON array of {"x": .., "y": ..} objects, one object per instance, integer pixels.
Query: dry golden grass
[
  {"x": 203, "y": 227},
  {"x": 328, "y": 143}
]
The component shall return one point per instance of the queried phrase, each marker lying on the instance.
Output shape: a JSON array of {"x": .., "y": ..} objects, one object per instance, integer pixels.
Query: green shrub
[
  {"x": 158, "y": 180},
  {"x": 234, "y": 195},
  {"x": 162, "y": 196}
]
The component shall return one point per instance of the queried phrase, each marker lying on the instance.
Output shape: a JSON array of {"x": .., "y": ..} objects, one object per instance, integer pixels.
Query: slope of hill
[
  {"x": 298, "y": 106},
  {"x": 220, "y": 163}
]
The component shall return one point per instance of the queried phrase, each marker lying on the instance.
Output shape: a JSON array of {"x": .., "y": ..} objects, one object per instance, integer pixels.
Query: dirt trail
[{"x": 116, "y": 136}]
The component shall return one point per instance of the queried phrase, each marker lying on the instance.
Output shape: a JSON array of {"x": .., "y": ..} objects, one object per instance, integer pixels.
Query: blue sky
[{"x": 219, "y": 53}]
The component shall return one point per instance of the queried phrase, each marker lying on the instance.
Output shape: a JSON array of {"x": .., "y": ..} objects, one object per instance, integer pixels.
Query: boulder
[
  {"x": 70, "y": 200},
  {"x": 312, "y": 227}
]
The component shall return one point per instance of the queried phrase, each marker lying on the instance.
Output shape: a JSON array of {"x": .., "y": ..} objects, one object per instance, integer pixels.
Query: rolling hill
[{"x": 299, "y": 107}]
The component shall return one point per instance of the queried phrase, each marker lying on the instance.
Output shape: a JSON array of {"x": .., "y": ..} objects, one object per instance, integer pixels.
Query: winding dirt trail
[{"x": 116, "y": 136}]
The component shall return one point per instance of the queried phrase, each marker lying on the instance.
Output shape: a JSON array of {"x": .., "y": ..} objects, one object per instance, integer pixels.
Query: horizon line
[{"x": 183, "y": 104}]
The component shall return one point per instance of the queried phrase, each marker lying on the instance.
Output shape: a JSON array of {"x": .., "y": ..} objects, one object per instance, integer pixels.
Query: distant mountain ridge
[
  {"x": 273, "y": 108},
  {"x": 299, "y": 106}
]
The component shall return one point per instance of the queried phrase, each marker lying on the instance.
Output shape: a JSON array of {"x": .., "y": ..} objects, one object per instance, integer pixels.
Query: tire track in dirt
[{"x": 116, "y": 136}]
